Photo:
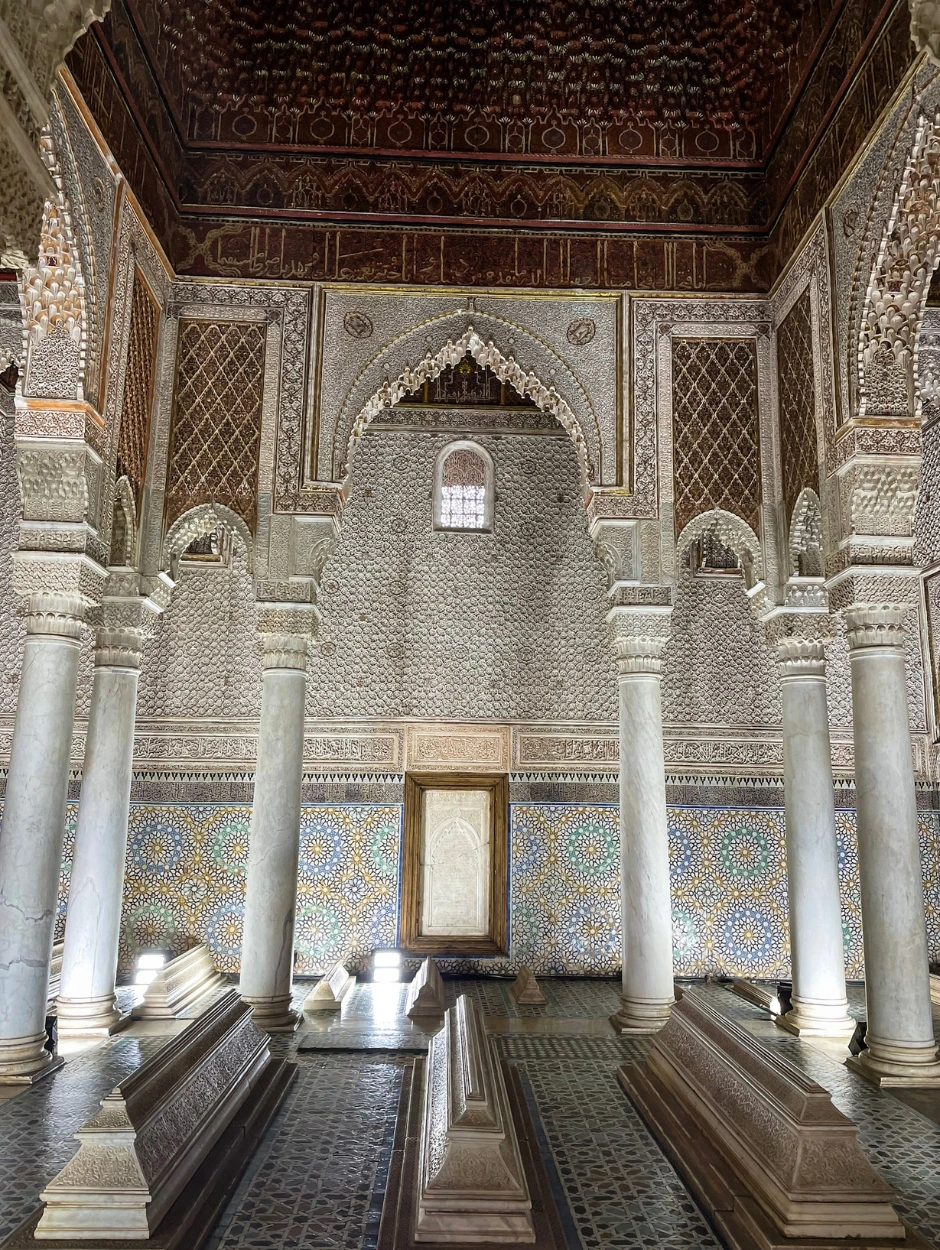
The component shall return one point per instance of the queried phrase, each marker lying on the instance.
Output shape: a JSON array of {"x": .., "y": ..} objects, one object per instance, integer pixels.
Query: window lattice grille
[
  {"x": 716, "y": 432},
  {"x": 798, "y": 447},
  {"x": 217, "y": 418},
  {"x": 463, "y": 491},
  {"x": 134, "y": 431}
]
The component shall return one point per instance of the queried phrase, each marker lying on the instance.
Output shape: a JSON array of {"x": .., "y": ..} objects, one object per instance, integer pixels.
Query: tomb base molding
[
  {"x": 761, "y": 1147},
  {"x": 131, "y": 1166},
  {"x": 471, "y": 1184},
  {"x": 180, "y": 985}
]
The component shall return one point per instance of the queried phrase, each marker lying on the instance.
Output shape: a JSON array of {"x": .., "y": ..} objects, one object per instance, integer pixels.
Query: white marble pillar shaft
[
  {"x": 816, "y": 949},
  {"x": 647, "y": 990},
  {"x": 900, "y": 1039},
  {"x": 274, "y": 838},
  {"x": 33, "y": 829},
  {"x": 86, "y": 1003}
]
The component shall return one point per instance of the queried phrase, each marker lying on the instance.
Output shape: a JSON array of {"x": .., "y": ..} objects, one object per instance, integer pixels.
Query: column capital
[
  {"x": 799, "y": 640},
  {"x": 639, "y": 655},
  {"x": 53, "y": 613},
  {"x": 59, "y": 588},
  {"x": 285, "y": 633},
  {"x": 874, "y": 625},
  {"x": 126, "y": 620},
  {"x": 639, "y": 634}
]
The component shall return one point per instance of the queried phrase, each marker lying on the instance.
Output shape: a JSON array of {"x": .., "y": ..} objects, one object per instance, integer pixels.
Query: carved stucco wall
[
  {"x": 12, "y": 625},
  {"x": 462, "y": 626},
  {"x": 508, "y": 625},
  {"x": 204, "y": 662}
]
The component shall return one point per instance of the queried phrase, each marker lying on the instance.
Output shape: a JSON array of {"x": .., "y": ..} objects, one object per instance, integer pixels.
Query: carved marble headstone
[
  {"x": 179, "y": 985},
  {"x": 455, "y": 863},
  {"x": 330, "y": 990},
  {"x": 761, "y": 1146},
  {"x": 472, "y": 1187},
  {"x": 138, "y": 1152},
  {"x": 426, "y": 992},
  {"x": 525, "y": 989}
]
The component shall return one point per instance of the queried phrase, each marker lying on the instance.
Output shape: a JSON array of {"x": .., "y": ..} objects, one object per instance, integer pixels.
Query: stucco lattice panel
[
  {"x": 798, "y": 450},
  {"x": 216, "y": 434},
  {"x": 134, "y": 433},
  {"x": 12, "y": 624},
  {"x": 927, "y": 514},
  {"x": 716, "y": 431},
  {"x": 718, "y": 668},
  {"x": 204, "y": 661},
  {"x": 504, "y": 625}
]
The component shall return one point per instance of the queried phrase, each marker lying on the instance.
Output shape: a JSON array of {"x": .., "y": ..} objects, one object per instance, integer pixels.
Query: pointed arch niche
[{"x": 523, "y": 362}]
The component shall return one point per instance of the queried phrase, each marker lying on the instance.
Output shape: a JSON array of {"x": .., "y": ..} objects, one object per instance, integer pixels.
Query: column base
[
  {"x": 641, "y": 1015},
  {"x": 24, "y": 1060},
  {"x": 818, "y": 1019},
  {"x": 274, "y": 1015},
  {"x": 90, "y": 1017},
  {"x": 897, "y": 1065}
]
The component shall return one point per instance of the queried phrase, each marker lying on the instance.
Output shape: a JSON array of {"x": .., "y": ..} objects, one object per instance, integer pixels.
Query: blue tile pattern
[{"x": 186, "y": 882}]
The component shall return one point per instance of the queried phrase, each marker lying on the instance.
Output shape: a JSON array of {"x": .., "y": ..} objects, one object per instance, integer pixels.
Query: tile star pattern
[
  {"x": 185, "y": 882},
  {"x": 186, "y": 866}
]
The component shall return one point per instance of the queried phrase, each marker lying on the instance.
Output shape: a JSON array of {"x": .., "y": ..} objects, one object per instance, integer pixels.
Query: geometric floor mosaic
[
  {"x": 317, "y": 1179},
  {"x": 37, "y": 1126},
  {"x": 186, "y": 883}
]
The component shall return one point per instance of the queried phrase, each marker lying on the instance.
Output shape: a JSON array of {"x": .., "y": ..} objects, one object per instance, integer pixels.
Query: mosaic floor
[{"x": 317, "y": 1180}]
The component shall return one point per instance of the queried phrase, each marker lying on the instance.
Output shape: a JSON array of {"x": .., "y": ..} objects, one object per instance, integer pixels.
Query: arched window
[{"x": 463, "y": 488}]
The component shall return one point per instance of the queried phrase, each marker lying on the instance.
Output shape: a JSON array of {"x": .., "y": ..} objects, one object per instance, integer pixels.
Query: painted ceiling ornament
[
  {"x": 357, "y": 325},
  {"x": 581, "y": 331}
]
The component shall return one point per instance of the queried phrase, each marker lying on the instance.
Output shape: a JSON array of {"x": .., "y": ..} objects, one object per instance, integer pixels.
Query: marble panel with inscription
[{"x": 455, "y": 863}]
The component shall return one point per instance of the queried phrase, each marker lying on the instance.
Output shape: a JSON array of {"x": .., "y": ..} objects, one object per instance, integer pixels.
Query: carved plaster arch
[
  {"x": 806, "y": 541},
  {"x": 200, "y": 520},
  {"x": 895, "y": 297},
  {"x": 124, "y": 500},
  {"x": 375, "y": 389},
  {"x": 734, "y": 534}
]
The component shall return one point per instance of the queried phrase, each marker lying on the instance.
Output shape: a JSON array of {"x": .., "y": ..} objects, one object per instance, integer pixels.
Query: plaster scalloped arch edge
[
  {"x": 195, "y": 522},
  {"x": 734, "y": 533},
  {"x": 366, "y": 398}
]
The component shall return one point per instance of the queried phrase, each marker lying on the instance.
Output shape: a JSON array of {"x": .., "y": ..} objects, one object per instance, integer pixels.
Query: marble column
[
  {"x": 819, "y": 1003},
  {"x": 33, "y": 829},
  {"x": 646, "y": 910},
  {"x": 274, "y": 838},
  {"x": 901, "y": 1047},
  {"x": 86, "y": 1003}
]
